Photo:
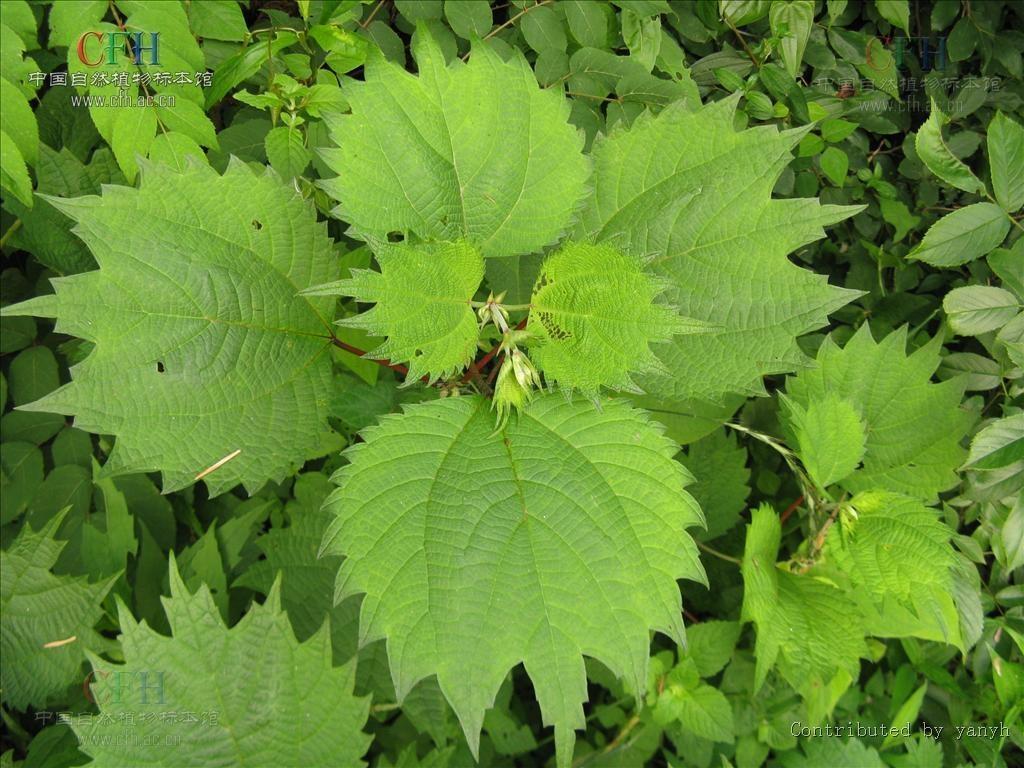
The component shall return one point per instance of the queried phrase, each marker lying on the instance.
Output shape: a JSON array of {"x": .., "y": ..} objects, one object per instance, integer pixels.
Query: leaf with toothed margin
[
  {"x": 692, "y": 193},
  {"x": 258, "y": 695},
  {"x": 473, "y": 151},
  {"x": 595, "y": 312},
  {"x": 46, "y": 620},
  {"x": 912, "y": 426},
  {"x": 475, "y": 548},
  {"x": 805, "y": 625},
  {"x": 422, "y": 295},
  {"x": 202, "y": 347}
]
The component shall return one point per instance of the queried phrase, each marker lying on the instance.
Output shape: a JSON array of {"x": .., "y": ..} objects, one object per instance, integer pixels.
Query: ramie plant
[{"x": 539, "y": 517}]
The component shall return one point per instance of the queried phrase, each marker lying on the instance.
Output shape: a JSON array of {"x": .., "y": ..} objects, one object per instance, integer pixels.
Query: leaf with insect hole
[{"x": 203, "y": 349}]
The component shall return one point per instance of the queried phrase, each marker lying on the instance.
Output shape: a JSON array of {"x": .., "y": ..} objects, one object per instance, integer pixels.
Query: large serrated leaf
[
  {"x": 913, "y": 427},
  {"x": 248, "y": 695},
  {"x": 47, "y": 621},
  {"x": 202, "y": 349},
  {"x": 688, "y": 190},
  {"x": 471, "y": 151},
  {"x": 473, "y": 548},
  {"x": 805, "y": 625}
]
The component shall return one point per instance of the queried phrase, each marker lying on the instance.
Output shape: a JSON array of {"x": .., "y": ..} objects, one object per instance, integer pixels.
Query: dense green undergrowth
[{"x": 453, "y": 383}]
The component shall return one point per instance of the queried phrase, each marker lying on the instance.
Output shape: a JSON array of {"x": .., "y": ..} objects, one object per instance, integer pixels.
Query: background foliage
[{"x": 150, "y": 619}]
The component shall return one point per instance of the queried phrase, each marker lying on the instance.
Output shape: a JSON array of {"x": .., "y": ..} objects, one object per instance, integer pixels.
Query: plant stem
[
  {"x": 10, "y": 231},
  {"x": 365, "y": 24},
  {"x": 739, "y": 36},
  {"x": 511, "y": 21},
  {"x": 362, "y": 353},
  {"x": 720, "y": 555},
  {"x": 791, "y": 508},
  {"x": 632, "y": 723},
  {"x": 806, "y": 486}
]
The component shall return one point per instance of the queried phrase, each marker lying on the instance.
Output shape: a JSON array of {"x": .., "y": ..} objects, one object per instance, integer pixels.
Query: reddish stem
[
  {"x": 477, "y": 366},
  {"x": 791, "y": 508},
  {"x": 361, "y": 353}
]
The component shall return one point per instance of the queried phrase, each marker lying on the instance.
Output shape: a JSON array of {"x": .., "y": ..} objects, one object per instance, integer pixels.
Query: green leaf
[
  {"x": 835, "y": 163},
  {"x": 286, "y": 151},
  {"x": 21, "y": 474},
  {"x": 791, "y": 21},
  {"x": 1012, "y": 338},
  {"x": 834, "y": 131},
  {"x": 18, "y": 121},
  {"x": 742, "y": 12},
  {"x": 514, "y": 276},
  {"x": 710, "y": 644},
  {"x": 978, "y": 372},
  {"x": 896, "y": 12},
  {"x": 345, "y": 50},
  {"x": 594, "y": 310},
  {"x": 66, "y": 486},
  {"x": 469, "y": 18},
  {"x": 179, "y": 49},
  {"x": 174, "y": 149},
  {"x": 905, "y": 715},
  {"x": 188, "y": 118},
  {"x": 719, "y": 464},
  {"x": 1006, "y": 161},
  {"x": 108, "y": 539},
  {"x": 894, "y": 546},
  {"x": 936, "y": 154},
  {"x": 806, "y": 626},
  {"x": 32, "y": 374},
  {"x": 246, "y": 63},
  {"x": 14, "y": 176},
  {"x": 71, "y": 18},
  {"x": 565, "y": 500},
  {"x": 217, "y": 20},
  {"x": 419, "y": 10},
  {"x": 704, "y": 711},
  {"x": 963, "y": 39},
  {"x": 665, "y": 189},
  {"x": 976, "y": 309},
  {"x": 642, "y": 35},
  {"x": 476, "y": 152},
  {"x": 879, "y": 66},
  {"x": 306, "y": 581},
  {"x": 219, "y": 675},
  {"x": 422, "y": 296},
  {"x": 998, "y": 445},
  {"x": 830, "y": 437},
  {"x": 588, "y": 22},
  {"x": 963, "y": 235},
  {"x": 132, "y": 133},
  {"x": 543, "y": 29},
  {"x": 45, "y": 231},
  {"x": 848, "y": 753},
  {"x": 900, "y": 563},
  {"x": 20, "y": 20},
  {"x": 913, "y": 426},
  {"x": 47, "y": 620},
  {"x": 204, "y": 271},
  {"x": 897, "y": 213},
  {"x": 1008, "y": 264}
]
